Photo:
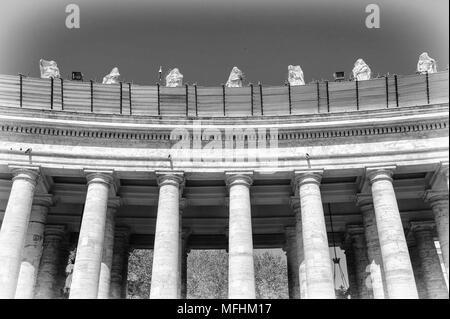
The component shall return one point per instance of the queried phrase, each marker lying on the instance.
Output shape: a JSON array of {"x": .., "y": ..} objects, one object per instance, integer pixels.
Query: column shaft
[
  {"x": 431, "y": 269},
  {"x": 394, "y": 250},
  {"x": 119, "y": 264},
  {"x": 107, "y": 255},
  {"x": 241, "y": 272},
  {"x": 14, "y": 229},
  {"x": 292, "y": 263},
  {"x": 165, "y": 271},
  {"x": 319, "y": 272},
  {"x": 52, "y": 263},
  {"x": 33, "y": 248},
  {"x": 86, "y": 270}
]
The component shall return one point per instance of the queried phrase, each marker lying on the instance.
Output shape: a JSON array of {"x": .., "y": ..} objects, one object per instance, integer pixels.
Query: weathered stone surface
[
  {"x": 174, "y": 78},
  {"x": 166, "y": 253},
  {"x": 86, "y": 271},
  {"x": 319, "y": 272},
  {"x": 429, "y": 260},
  {"x": 112, "y": 77},
  {"x": 14, "y": 228},
  {"x": 361, "y": 71},
  {"x": 394, "y": 250},
  {"x": 119, "y": 268},
  {"x": 295, "y": 75},
  {"x": 235, "y": 78},
  {"x": 49, "y": 69},
  {"x": 292, "y": 263},
  {"x": 33, "y": 247},
  {"x": 48, "y": 280},
  {"x": 426, "y": 64},
  {"x": 241, "y": 271}
]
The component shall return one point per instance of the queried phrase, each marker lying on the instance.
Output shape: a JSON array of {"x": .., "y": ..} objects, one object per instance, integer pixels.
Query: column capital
[
  {"x": 422, "y": 225},
  {"x": 99, "y": 176},
  {"x": 290, "y": 231},
  {"x": 175, "y": 178},
  {"x": 380, "y": 173},
  {"x": 307, "y": 177},
  {"x": 431, "y": 196},
  {"x": 25, "y": 172},
  {"x": 239, "y": 178},
  {"x": 45, "y": 200}
]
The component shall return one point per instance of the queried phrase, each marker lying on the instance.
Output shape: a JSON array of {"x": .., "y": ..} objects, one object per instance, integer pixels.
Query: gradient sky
[{"x": 206, "y": 38}]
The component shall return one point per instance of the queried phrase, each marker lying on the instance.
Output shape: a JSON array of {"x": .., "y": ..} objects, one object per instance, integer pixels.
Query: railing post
[
  {"x": 223, "y": 99},
  {"x": 187, "y": 100},
  {"x": 51, "y": 93},
  {"x": 62, "y": 93},
  {"x": 357, "y": 94},
  {"x": 121, "y": 95},
  {"x": 396, "y": 89},
  {"x": 318, "y": 96},
  {"x": 428, "y": 87},
  {"x": 251, "y": 98},
  {"x": 159, "y": 100},
  {"x": 290, "y": 100},
  {"x": 328, "y": 97},
  {"x": 261, "y": 98},
  {"x": 129, "y": 96},
  {"x": 196, "y": 105},
  {"x": 92, "y": 96},
  {"x": 21, "y": 89},
  {"x": 387, "y": 90}
]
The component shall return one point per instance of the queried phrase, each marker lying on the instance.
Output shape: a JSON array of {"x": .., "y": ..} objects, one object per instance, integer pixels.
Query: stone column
[
  {"x": 107, "y": 254},
  {"x": 119, "y": 263},
  {"x": 183, "y": 262},
  {"x": 351, "y": 269},
  {"x": 295, "y": 204},
  {"x": 429, "y": 260},
  {"x": 439, "y": 204},
  {"x": 47, "y": 283},
  {"x": 374, "y": 268},
  {"x": 394, "y": 250},
  {"x": 319, "y": 270},
  {"x": 359, "y": 247},
  {"x": 86, "y": 270},
  {"x": 417, "y": 267},
  {"x": 14, "y": 227},
  {"x": 241, "y": 271},
  {"x": 292, "y": 263},
  {"x": 166, "y": 253},
  {"x": 33, "y": 247}
]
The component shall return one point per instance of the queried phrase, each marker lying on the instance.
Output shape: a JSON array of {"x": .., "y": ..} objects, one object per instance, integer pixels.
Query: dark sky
[{"x": 206, "y": 38}]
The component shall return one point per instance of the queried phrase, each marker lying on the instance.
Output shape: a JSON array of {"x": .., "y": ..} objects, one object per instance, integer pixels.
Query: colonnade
[{"x": 381, "y": 267}]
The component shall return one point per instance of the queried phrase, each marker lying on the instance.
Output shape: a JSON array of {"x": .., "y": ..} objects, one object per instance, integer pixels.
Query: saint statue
[
  {"x": 112, "y": 77},
  {"x": 49, "y": 69},
  {"x": 426, "y": 64},
  {"x": 295, "y": 75},
  {"x": 235, "y": 78},
  {"x": 174, "y": 78},
  {"x": 361, "y": 71}
]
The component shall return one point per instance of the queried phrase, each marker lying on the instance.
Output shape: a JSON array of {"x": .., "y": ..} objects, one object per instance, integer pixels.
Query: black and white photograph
[{"x": 233, "y": 156}]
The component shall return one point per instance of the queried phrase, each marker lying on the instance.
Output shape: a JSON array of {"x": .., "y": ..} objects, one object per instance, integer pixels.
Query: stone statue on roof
[
  {"x": 295, "y": 75},
  {"x": 361, "y": 71},
  {"x": 235, "y": 78},
  {"x": 112, "y": 77},
  {"x": 426, "y": 64},
  {"x": 49, "y": 69},
  {"x": 174, "y": 78}
]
